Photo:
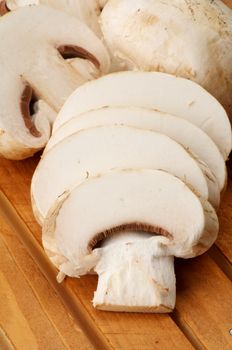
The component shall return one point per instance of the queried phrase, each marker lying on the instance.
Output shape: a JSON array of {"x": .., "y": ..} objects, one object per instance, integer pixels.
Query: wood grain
[
  {"x": 31, "y": 313},
  {"x": 129, "y": 331},
  {"x": 228, "y": 3},
  {"x": 224, "y": 241},
  {"x": 204, "y": 301}
]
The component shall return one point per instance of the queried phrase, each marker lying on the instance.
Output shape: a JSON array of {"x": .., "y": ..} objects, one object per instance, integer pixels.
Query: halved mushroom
[
  {"x": 97, "y": 150},
  {"x": 87, "y": 11},
  {"x": 167, "y": 93},
  {"x": 32, "y": 68},
  {"x": 187, "y": 134},
  {"x": 191, "y": 39},
  {"x": 137, "y": 275}
]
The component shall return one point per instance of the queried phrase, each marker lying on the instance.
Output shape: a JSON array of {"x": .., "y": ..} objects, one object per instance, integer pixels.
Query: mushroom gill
[
  {"x": 130, "y": 227},
  {"x": 73, "y": 51},
  {"x": 26, "y": 105}
]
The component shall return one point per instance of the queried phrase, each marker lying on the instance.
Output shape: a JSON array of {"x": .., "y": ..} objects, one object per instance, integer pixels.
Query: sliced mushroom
[
  {"x": 97, "y": 150},
  {"x": 32, "y": 69},
  {"x": 167, "y": 93},
  {"x": 190, "y": 136},
  {"x": 138, "y": 275},
  {"x": 191, "y": 39}
]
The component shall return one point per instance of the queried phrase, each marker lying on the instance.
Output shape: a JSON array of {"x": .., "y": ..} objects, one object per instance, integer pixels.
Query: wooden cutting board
[{"x": 38, "y": 313}]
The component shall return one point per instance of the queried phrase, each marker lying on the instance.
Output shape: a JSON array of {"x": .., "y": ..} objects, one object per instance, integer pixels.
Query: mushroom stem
[{"x": 135, "y": 275}]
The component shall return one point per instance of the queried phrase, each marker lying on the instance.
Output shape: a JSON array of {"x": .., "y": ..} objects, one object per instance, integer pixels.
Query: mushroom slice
[
  {"x": 138, "y": 275},
  {"x": 153, "y": 90},
  {"x": 191, "y": 39},
  {"x": 182, "y": 131},
  {"x": 97, "y": 150},
  {"x": 32, "y": 68}
]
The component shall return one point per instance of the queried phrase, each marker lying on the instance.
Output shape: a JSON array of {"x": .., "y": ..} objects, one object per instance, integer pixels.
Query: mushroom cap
[
  {"x": 32, "y": 67},
  {"x": 182, "y": 131},
  {"x": 98, "y": 150},
  {"x": 154, "y": 90},
  {"x": 191, "y": 39},
  {"x": 148, "y": 200}
]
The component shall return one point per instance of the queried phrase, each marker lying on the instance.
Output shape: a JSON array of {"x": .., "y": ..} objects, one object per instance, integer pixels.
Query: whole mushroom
[{"x": 191, "y": 39}]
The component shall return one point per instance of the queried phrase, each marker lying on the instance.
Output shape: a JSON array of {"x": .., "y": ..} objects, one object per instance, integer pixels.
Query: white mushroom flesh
[
  {"x": 97, "y": 150},
  {"x": 166, "y": 93},
  {"x": 182, "y": 131}
]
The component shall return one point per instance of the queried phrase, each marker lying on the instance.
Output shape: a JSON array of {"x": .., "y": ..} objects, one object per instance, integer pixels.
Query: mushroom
[
  {"x": 87, "y": 11},
  {"x": 180, "y": 97},
  {"x": 33, "y": 68},
  {"x": 97, "y": 150},
  {"x": 191, "y": 39},
  {"x": 182, "y": 131},
  {"x": 137, "y": 275}
]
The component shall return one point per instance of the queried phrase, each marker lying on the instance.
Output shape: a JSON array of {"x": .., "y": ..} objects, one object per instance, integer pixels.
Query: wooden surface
[{"x": 38, "y": 313}]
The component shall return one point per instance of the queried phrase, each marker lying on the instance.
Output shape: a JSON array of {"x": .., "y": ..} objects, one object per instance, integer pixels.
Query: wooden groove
[
  {"x": 221, "y": 260},
  {"x": 187, "y": 331},
  {"x": 74, "y": 306},
  {"x": 35, "y": 295},
  {"x": 5, "y": 343}
]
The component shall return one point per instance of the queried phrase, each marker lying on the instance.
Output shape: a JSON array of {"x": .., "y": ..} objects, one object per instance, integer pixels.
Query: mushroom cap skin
[
  {"x": 32, "y": 68},
  {"x": 98, "y": 150},
  {"x": 182, "y": 131},
  {"x": 191, "y": 39},
  {"x": 149, "y": 200},
  {"x": 180, "y": 97}
]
